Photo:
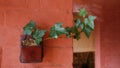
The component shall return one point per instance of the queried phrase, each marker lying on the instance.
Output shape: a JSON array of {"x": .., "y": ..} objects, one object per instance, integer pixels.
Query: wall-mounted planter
[{"x": 31, "y": 54}]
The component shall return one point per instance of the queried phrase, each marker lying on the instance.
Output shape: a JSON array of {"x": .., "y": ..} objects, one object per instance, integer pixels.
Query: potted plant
[{"x": 31, "y": 43}]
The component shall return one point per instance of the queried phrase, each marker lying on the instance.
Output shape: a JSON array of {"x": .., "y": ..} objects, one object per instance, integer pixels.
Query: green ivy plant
[
  {"x": 57, "y": 30},
  {"x": 84, "y": 23},
  {"x": 32, "y": 30}
]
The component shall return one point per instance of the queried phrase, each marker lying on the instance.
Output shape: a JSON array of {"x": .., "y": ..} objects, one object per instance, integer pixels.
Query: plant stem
[
  {"x": 81, "y": 31},
  {"x": 52, "y": 38},
  {"x": 47, "y": 39}
]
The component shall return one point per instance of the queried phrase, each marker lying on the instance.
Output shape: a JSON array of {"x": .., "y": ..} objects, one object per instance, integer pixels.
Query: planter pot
[{"x": 31, "y": 54}]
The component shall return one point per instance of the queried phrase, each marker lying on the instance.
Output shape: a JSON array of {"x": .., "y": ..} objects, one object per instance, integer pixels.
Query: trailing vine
[{"x": 83, "y": 24}]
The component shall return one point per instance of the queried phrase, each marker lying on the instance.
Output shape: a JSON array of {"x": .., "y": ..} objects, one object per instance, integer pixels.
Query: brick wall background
[{"x": 14, "y": 14}]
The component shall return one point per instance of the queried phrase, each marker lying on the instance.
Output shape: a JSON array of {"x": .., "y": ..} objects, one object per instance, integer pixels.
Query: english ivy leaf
[
  {"x": 79, "y": 24},
  {"x": 29, "y": 28},
  {"x": 53, "y": 34},
  {"x": 28, "y": 31},
  {"x": 90, "y": 21},
  {"x": 57, "y": 30},
  {"x": 31, "y": 24},
  {"x": 73, "y": 30},
  {"x": 42, "y": 33},
  {"x": 68, "y": 29},
  {"x": 83, "y": 12},
  {"x": 38, "y": 40},
  {"x": 38, "y": 34},
  {"x": 87, "y": 31}
]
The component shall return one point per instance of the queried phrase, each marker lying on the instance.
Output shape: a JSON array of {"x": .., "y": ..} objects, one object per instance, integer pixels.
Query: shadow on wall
[{"x": 0, "y": 56}]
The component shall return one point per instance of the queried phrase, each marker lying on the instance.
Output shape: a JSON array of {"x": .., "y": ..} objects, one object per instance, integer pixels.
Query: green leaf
[
  {"x": 68, "y": 29},
  {"x": 42, "y": 33},
  {"x": 31, "y": 24},
  {"x": 73, "y": 30},
  {"x": 79, "y": 24},
  {"x": 57, "y": 30},
  {"x": 90, "y": 21},
  {"x": 28, "y": 31},
  {"x": 38, "y": 40},
  {"x": 87, "y": 31},
  {"x": 29, "y": 28},
  {"x": 83, "y": 12},
  {"x": 38, "y": 35},
  {"x": 53, "y": 34}
]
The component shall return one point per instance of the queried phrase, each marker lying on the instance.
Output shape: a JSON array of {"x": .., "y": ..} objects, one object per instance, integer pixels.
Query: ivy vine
[{"x": 83, "y": 24}]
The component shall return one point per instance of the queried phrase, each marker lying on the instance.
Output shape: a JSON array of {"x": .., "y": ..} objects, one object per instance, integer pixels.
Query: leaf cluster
[
  {"x": 32, "y": 30},
  {"x": 83, "y": 24},
  {"x": 86, "y": 25},
  {"x": 57, "y": 30}
]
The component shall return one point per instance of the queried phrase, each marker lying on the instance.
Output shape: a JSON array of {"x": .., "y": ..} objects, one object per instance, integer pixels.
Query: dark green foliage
[
  {"x": 87, "y": 31},
  {"x": 73, "y": 31},
  {"x": 79, "y": 24},
  {"x": 89, "y": 25},
  {"x": 86, "y": 25},
  {"x": 57, "y": 30},
  {"x": 90, "y": 21},
  {"x": 38, "y": 34},
  {"x": 83, "y": 12},
  {"x": 31, "y": 29}
]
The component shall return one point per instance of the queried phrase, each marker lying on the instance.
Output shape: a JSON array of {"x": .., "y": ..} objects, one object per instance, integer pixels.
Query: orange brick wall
[{"x": 14, "y": 14}]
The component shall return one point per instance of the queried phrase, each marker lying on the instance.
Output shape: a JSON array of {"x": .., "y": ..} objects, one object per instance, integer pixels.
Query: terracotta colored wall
[
  {"x": 95, "y": 7},
  {"x": 84, "y": 44},
  {"x": 14, "y": 14},
  {"x": 0, "y": 56},
  {"x": 110, "y": 35},
  {"x": 107, "y": 49}
]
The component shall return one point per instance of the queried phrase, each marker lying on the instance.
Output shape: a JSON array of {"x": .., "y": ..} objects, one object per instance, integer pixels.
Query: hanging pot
[{"x": 30, "y": 54}]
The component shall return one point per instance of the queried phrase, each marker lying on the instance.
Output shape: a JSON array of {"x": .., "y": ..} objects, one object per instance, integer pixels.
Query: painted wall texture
[
  {"x": 95, "y": 7},
  {"x": 110, "y": 31},
  {"x": 84, "y": 44},
  {"x": 107, "y": 52},
  {"x": 14, "y": 14}
]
